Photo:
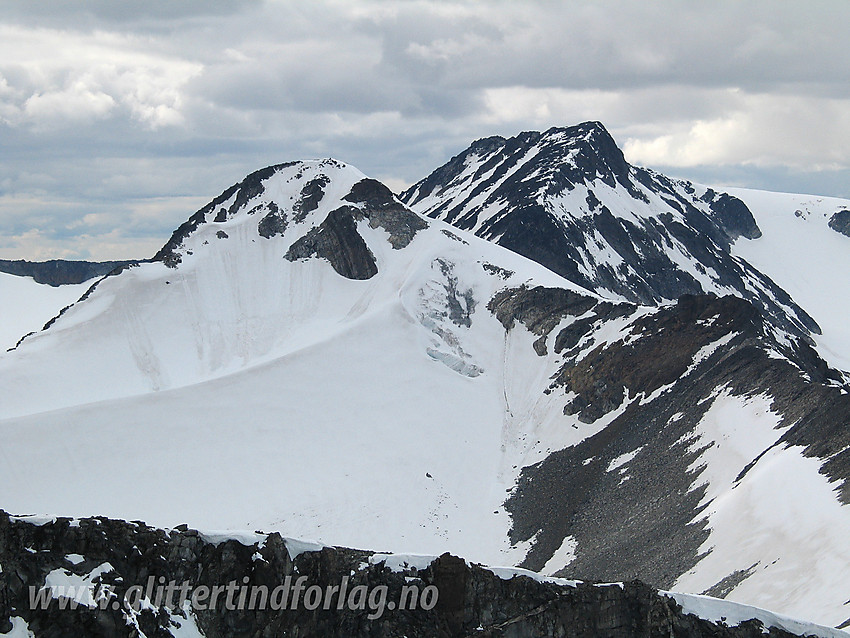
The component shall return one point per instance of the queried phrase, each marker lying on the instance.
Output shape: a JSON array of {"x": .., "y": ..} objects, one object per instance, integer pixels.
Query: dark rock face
[
  {"x": 511, "y": 191},
  {"x": 58, "y": 272},
  {"x": 310, "y": 197},
  {"x": 840, "y": 222},
  {"x": 462, "y": 599},
  {"x": 337, "y": 240},
  {"x": 539, "y": 309},
  {"x": 732, "y": 215},
  {"x": 661, "y": 355}
]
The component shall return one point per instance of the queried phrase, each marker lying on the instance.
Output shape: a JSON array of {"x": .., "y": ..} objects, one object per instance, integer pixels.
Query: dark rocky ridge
[
  {"x": 521, "y": 177},
  {"x": 650, "y": 372},
  {"x": 58, "y": 272},
  {"x": 311, "y": 195},
  {"x": 471, "y": 600}
]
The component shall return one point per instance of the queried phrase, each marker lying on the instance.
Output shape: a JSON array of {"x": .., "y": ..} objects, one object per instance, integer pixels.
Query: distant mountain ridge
[{"x": 58, "y": 272}]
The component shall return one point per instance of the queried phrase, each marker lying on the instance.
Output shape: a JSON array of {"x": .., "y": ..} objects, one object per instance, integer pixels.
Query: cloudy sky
[{"x": 118, "y": 120}]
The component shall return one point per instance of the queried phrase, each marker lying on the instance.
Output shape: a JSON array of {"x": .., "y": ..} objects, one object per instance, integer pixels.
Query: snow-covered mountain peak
[
  {"x": 584, "y": 152},
  {"x": 576, "y": 180},
  {"x": 546, "y": 163},
  {"x": 588, "y": 146},
  {"x": 294, "y": 255},
  {"x": 313, "y": 205}
]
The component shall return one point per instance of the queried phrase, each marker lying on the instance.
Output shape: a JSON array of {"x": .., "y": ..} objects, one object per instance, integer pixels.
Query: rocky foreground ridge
[{"x": 461, "y": 599}]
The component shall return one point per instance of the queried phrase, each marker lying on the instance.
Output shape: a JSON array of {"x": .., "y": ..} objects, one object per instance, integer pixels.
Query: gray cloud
[{"x": 117, "y": 120}]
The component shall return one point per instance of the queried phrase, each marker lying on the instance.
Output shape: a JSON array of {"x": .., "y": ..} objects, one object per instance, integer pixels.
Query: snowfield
[{"x": 810, "y": 260}]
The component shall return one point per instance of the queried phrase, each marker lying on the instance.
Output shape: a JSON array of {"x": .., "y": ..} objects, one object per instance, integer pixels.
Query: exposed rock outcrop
[
  {"x": 337, "y": 240},
  {"x": 840, "y": 222}
]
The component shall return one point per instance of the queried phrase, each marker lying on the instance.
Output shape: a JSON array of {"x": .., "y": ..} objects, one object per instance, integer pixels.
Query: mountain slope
[
  {"x": 307, "y": 355},
  {"x": 710, "y": 478},
  {"x": 567, "y": 199}
]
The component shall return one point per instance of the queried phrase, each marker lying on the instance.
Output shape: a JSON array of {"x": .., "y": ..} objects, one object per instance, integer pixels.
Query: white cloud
[
  {"x": 760, "y": 130},
  {"x": 75, "y": 102},
  {"x": 53, "y": 78},
  {"x": 445, "y": 49}
]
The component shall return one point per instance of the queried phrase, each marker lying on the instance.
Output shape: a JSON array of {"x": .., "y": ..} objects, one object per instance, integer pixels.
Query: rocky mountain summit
[{"x": 568, "y": 199}]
